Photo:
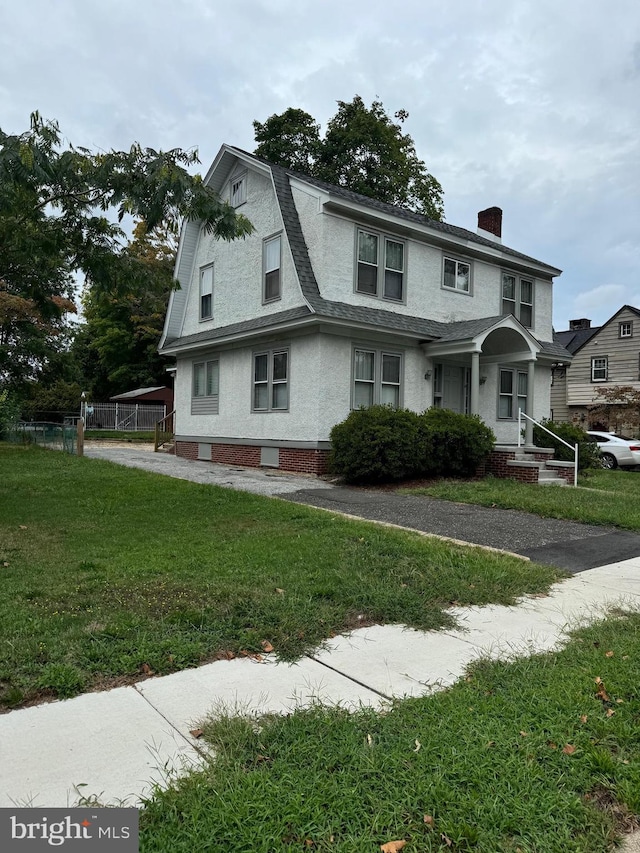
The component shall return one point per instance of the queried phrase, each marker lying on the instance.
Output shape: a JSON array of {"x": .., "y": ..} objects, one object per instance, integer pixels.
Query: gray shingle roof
[{"x": 573, "y": 339}]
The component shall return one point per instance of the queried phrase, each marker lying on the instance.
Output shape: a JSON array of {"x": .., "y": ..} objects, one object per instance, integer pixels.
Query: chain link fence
[{"x": 52, "y": 436}]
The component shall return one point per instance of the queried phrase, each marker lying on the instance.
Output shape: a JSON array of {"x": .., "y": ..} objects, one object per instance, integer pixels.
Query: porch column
[
  {"x": 475, "y": 383},
  {"x": 528, "y": 430}
]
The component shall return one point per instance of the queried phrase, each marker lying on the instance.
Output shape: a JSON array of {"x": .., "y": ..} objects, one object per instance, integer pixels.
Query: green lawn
[
  {"x": 112, "y": 573},
  {"x": 533, "y": 756},
  {"x": 603, "y": 497}
]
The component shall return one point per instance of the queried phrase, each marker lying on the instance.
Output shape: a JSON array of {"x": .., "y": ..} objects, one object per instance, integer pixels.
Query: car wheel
[{"x": 609, "y": 461}]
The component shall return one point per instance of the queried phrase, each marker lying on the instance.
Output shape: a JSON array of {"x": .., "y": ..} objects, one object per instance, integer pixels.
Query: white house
[{"x": 337, "y": 301}]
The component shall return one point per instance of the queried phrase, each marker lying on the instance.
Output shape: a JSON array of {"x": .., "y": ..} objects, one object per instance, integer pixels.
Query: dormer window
[
  {"x": 238, "y": 190},
  {"x": 380, "y": 266}
]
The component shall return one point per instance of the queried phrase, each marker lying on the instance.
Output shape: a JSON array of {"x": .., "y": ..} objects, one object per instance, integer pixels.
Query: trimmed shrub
[
  {"x": 453, "y": 444},
  {"x": 588, "y": 451},
  {"x": 375, "y": 445},
  {"x": 381, "y": 444}
]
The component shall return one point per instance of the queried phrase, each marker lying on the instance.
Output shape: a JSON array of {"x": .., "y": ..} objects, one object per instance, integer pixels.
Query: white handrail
[{"x": 573, "y": 447}]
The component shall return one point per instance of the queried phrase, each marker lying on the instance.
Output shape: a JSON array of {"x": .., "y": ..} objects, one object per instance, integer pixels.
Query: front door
[{"x": 454, "y": 383}]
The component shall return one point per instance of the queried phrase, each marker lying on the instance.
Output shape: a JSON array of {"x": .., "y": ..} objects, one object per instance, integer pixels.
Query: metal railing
[
  {"x": 122, "y": 416},
  {"x": 573, "y": 447},
  {"x": 164, "y": 431},
  {"x": 44, "y": 434}
]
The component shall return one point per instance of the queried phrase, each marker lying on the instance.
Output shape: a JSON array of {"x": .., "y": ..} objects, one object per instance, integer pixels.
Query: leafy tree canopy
[
  {"x": 59, "y": 214},
  {"x": 363, "y": 149},
  {"x": 618, "y": 406}
]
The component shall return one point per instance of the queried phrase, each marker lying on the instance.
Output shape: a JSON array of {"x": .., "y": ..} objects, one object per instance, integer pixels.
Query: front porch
[{"x": 527, "y": 464}]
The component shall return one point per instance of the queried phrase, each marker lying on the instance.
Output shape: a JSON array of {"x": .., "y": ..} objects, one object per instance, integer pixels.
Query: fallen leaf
[
  {"x": 583, "y": 718},
  {"x": 5, "y": 564},
  {"x": 598, "y": 680},
  {"x": 146, "y": 669},
  {"x": 369, "y": 740},
  {"x": 196, "y": 733},
  {"x": 625, "y": 657},
  {"x": 619, "y": 701},
  {"x": 608, "y": 654},
  {"x": 309, "y": 842},
  {"x": 418, "y": 745},
  {"x": 552, "y": 745},
  {"x": 23, "y": 527},
  {"x": 602, "y": 694},
  {"x": 610, "y": 712},
  {"x": 429, "y": 820},
  {"x": 524, "y": 734},
  {"x": 392, "y": 846},
  {"x": 279, "y": 591},
  {"x": 266, "y": 645},
  {"x": 446, "y": 839},
  {"x": 569, "y": 749}
]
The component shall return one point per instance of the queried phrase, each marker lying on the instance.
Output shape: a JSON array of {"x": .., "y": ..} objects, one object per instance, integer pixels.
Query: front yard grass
[
  {"x": 541, "y": 755},
  {"x": 606, "y": 497},
  {"x": 110, "y": 574}
]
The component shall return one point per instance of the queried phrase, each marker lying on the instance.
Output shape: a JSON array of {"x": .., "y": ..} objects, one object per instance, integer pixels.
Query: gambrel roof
[{"x": 320, "y": 309}]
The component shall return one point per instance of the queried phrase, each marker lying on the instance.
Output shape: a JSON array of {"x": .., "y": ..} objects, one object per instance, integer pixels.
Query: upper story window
[
  {"x": 271, "y": 262},
  {"x": 238, "y": 190},
  {"x": 456, "y": 275},
  {"x": 517, "y": 298},
  {"x": 206, "y": 292},
  {"x": 377, "y": 378},
  {"x": 625, "y": 329},
  {"x": 380, "y": 266},
  {"x": 270, "y": 381},
  {"x": 599, "y": 369}
]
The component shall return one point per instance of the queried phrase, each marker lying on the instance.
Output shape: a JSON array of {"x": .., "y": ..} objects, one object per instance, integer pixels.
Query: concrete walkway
[{"x": 116, "y": 745}]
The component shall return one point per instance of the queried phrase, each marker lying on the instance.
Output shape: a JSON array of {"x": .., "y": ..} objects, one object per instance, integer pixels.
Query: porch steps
[{"x": 546, "y": 475}]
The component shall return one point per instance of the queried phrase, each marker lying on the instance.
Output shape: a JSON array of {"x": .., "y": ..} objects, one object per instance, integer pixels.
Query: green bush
[
  {"x": 453, "y": 444},
  {"x": 588, "y": 451},
  {"x": 375, "y": 445},
  {"x": 381, "y": 444}
]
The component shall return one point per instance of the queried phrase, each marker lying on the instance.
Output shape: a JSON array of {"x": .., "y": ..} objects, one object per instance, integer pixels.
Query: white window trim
[
  {"x": 241, "y": 180},
  {"x": 518, "y": 296},
  {"x": 203, "y": 269},
  {"x": 381, "y": 267},
  {"x": 621, "y": 325},
  {"x": 270, "y": 382},
  {"x": 265, "y": 243},
  {"x": 457, "y": 261},
  {"x": 377, "y": 383},
  {"x": 604, "y": 358},
  {"x": 516, "y": 372}
]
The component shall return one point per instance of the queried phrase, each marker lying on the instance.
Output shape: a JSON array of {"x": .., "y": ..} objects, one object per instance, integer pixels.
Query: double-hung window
[
  {"x": 271, "y": 262},
  {"x": 377, "y": 378},
  {"x": 512, "y": 393},
  {"x": 270, "y": 381},
  {"x": 456, "y": 275},
  {"x": 206, "y": 292},
  {"x": 517, "y": 298},
  {"x": 205, "y": 387},
  {"x": 599, "y": 369},
  {"x": 380, "y": 266}
]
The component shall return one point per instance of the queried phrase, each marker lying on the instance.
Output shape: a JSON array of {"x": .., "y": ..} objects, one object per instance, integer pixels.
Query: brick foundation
[{"x": 291, "y": 458}]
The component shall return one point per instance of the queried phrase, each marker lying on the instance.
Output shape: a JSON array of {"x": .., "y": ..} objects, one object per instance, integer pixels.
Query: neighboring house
[
  {"x": 157, "y": 394},
  {"x": 338, "y": 301},
  {"x": 603, "y": 357}
]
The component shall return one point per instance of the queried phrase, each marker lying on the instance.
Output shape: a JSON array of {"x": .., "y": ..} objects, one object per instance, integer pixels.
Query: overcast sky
[{"x": 531, "y": 105}]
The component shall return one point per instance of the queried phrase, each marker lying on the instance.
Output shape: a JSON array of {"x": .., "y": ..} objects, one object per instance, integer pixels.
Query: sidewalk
[{"x": 116, "y": 745}]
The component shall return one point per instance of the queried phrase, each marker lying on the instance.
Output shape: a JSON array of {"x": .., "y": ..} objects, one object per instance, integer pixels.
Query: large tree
[
  {"x": 60, "y": 209},
  {"x": 363, "y": 149}
]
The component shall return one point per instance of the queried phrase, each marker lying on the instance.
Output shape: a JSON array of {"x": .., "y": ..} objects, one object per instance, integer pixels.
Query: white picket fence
[{"x": 125, "y": 416}]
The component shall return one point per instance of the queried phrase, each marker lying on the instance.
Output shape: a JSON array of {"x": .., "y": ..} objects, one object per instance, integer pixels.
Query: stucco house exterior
[
  {"x": 336, "y": 301},
  {"x": 603, "y": 357}
]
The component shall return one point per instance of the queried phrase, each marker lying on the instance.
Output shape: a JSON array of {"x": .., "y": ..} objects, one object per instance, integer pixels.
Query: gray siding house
[
  {"x": 603, "y": 357},
  {"x": 338, "y": 301}
]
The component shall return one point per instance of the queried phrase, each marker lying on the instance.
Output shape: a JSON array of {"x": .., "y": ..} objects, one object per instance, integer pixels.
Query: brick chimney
[
  {"x": 583, "y": 323},
  {"x": 490, "y": 220}
]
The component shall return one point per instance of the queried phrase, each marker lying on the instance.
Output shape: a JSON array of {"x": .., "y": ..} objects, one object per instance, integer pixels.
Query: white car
[{"x": 616, "y": 449}]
